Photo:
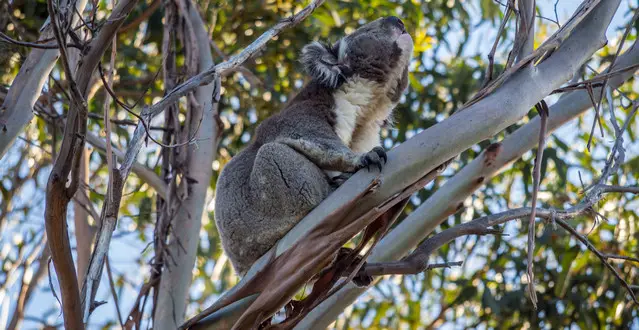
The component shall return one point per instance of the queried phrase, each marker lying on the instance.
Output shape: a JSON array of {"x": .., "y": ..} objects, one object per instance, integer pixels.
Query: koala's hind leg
[
  {"x": 282, "y": 187},
  {"x": 285, "y": 184}
]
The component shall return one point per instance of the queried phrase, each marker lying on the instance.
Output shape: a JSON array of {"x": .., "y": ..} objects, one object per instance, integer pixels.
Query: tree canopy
[{"x": 452, "y": 42}]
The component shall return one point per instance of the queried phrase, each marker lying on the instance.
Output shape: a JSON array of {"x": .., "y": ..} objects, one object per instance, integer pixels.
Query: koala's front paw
[{"x": 373, "y": 157}]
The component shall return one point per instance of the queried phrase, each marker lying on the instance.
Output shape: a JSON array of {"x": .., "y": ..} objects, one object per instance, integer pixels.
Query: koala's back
[{"x": 264, "y": 191}]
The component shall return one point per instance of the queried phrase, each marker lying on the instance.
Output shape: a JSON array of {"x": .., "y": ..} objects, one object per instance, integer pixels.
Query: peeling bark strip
[
  {"x": 280, "y": 279},
  {"x": 542, "y": 109},
  {"x": 258, "y": 283}
]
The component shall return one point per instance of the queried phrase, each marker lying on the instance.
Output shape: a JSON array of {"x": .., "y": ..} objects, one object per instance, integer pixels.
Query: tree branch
[
  {"x": 421, "y": 154},
  {"x": 59, "y": 192},
  {"x": 450, "y": 197}
]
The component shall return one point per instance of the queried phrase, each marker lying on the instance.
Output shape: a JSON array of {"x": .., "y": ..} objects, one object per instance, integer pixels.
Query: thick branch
[
  {"x": 417, "y": 261},
  {"x": 58, "y": 193},
  {"x": 421, "y": 154},
  {"x": 450, "y": 197}
]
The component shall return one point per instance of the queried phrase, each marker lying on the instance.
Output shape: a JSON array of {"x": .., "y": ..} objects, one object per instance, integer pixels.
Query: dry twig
[
  {"x": 605, "y": 80},
  {"x": 543, "y": 110},
  {"x": 491, "y": 55}
]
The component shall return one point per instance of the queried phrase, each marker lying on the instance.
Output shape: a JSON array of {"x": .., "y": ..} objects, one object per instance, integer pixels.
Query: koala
[{"x": 331, "y": 126}]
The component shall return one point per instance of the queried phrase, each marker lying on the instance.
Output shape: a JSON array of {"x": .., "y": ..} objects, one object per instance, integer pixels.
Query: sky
[{"x": 125, "y": 249}]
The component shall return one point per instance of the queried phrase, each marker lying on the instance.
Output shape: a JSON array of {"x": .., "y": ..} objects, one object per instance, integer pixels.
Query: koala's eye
[{"x": 395, "y": 21}]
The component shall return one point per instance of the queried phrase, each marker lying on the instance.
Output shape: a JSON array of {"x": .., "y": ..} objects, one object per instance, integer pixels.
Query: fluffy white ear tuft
[{"x": 321, "y": 62}]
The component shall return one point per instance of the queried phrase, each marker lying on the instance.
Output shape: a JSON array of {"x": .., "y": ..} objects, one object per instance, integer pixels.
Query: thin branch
[
  {"x": 135, "y": 315},
  {"x": 616, "y": 256},
  {"x": 614, "y": 59},
  {"x": 596, "y": 81},
  {"x": 621, "y": 189},
  {"x": 381, "y": 269},
  {"x": 113, "y": 293},
  {"x": 39, "y": 44},
  {"x": 597, "y": 119},
  {"x": 601, "y": 256},
  {"x": 491, "y": 55},
  {"x": 556, "y": 14},
  {"x": 125, "y": 122},
  {"x": 107, "y": 122},
  {"x": 543, "y": 110}
]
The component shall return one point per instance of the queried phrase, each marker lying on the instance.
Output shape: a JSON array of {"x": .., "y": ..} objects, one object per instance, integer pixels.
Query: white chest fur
[{"x": 361, "y": 106}]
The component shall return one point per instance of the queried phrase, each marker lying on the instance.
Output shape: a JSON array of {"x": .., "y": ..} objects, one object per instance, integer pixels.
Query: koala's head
[{"x": 379, "y": 51}]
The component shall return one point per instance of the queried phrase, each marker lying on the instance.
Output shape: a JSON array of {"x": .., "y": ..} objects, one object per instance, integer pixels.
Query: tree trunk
[
  {"x": 83, "y": 231},
  {"x": 186, "y": 223}
]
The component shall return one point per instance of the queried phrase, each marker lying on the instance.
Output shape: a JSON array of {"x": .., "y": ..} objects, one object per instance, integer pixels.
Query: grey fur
[{"x": 282, "y": 174}]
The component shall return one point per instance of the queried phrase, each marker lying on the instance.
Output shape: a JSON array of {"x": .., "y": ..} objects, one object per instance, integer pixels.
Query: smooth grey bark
[
  {"x": 83, "y": 231},
  {"x": 413, "y": 159},
  {"x": 177, "y": 274},
  {"x": 17, "y": 109}
]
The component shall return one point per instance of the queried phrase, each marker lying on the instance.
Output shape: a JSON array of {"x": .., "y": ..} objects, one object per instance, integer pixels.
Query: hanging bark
[{"x": 189, "y": 201}]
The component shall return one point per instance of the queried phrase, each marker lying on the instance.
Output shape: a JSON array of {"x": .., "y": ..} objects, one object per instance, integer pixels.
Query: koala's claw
[
  {"x": 374, "y": 157},
  {"x": 381, "y": 152}
]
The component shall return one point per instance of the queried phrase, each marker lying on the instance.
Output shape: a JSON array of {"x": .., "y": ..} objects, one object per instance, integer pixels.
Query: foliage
[{"x": 452, "y": 40}]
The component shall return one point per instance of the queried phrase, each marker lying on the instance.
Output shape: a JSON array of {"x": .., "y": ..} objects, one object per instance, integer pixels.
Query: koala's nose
[{"x": 395, "y": 21}]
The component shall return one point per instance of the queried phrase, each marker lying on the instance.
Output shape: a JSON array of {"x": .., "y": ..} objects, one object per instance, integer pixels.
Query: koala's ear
[{"x": 322, "y": 63}]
